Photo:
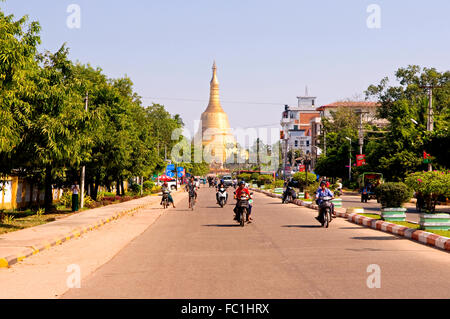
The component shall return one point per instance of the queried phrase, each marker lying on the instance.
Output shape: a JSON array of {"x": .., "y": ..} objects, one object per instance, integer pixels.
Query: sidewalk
[{"x": 16, "y": 246}]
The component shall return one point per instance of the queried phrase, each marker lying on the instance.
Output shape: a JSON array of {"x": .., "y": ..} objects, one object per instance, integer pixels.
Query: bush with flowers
[{"x": 430, "y": 186}]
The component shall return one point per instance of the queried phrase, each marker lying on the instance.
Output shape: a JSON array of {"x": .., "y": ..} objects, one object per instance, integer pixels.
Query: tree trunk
[
  {"x": 123, "y": 188},
  {"x": 97, "y": 184},
  {"x": 118, "y": 187},
  {"x": 48, "y": 196}
]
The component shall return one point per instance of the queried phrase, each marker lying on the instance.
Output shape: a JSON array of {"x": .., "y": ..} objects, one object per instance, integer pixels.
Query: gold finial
[{"x": 215, "y": 81}]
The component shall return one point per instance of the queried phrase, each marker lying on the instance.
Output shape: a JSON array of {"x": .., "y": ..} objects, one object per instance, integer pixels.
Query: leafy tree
[{"x": 399, "y": 152}]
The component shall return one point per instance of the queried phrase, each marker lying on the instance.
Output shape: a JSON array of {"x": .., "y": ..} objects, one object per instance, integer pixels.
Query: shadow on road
[
  {"x": 218, "y": 225},
  {"x": 376, "y": 238},
  {"x": 303, "y": 226}
]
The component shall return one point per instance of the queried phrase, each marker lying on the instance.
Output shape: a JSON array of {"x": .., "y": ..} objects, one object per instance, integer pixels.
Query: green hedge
[{"x": 393, "y": 195}]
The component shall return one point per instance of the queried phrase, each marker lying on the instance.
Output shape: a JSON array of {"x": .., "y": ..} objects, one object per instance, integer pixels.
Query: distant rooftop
[{"x": 352, "y": 104}]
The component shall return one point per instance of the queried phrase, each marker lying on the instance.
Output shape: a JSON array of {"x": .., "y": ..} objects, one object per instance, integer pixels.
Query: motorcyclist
[
  {"x": 241, "y": 190},
  {"x": 289, "y": 190},
  {"x": 323, "y": 191},
  {"x": 221, "y": 185},
  {"x": 166, "y": 188}
]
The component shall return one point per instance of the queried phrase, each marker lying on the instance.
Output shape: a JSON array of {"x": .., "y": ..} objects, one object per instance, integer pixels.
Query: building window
[
  {"x": 295, "y": 127},
  {"x": 296, "y": 143},
  {"x": 307, "y": 143},
  {"x": 312, "y": 102}
]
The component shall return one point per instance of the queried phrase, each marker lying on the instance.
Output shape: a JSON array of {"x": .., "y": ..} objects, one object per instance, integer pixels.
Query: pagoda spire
[{"x": 214, "y": 99}]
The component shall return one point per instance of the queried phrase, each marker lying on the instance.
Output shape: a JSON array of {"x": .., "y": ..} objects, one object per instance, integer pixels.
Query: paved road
[
  {"x": 372, "y": 207},
  {"x": 283, "y": 254}
]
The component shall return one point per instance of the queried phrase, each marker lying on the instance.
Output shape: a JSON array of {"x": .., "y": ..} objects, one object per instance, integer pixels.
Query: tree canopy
[{"x": 57, "y": 116}]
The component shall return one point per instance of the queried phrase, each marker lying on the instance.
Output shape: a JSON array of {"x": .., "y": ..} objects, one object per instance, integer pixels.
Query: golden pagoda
[{"x": 217, "y": 139}]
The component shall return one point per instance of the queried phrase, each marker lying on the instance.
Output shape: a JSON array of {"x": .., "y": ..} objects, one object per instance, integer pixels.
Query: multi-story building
[
  {"x": 367, "y": 110},
  {"x": 296, "y": 124}
]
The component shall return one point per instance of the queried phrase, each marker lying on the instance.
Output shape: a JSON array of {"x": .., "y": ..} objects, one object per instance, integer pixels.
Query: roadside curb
[
  {"x": 421, "y": 236},
  {"x": 34, "y": 248}
]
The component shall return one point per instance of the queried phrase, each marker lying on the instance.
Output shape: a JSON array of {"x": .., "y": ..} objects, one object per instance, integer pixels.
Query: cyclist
[{"x": 192, "y": 188}]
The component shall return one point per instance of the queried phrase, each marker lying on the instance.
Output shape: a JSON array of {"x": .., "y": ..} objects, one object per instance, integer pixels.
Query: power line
[{"x": 204, "y": 101}]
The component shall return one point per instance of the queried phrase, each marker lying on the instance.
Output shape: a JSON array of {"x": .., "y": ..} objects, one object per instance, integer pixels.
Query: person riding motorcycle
[
  {"x": 166, "y": 188},
  {"x": 289, "y": 190},
  {"x": 323, "y": 191},
  {"x": 221, "y": 185},
  {"x": 241, "y": 190}
]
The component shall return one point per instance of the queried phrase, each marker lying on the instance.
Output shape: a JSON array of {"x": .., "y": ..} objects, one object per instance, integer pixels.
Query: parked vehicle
[
  {"x": 367, "y": 183},
  {"x": 227, "y": 181}
]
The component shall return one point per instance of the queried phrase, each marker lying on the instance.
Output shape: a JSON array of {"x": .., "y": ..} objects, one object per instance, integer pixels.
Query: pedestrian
[{"x": 75, "y": 190}]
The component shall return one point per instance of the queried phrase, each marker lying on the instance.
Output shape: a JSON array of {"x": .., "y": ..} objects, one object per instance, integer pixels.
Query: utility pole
[
  {"x": 361, "y": 132},
  {"x": 350, "y": 160},
  {"x": 430, "y": 123},
  {"x": 83, "y": 169}
]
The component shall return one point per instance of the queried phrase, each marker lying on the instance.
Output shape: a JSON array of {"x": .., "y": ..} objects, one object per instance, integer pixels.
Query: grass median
[{"x": 445, "y": 233}]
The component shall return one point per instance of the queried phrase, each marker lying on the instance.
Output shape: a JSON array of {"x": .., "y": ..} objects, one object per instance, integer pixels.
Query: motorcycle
[
  {"x": 165, "y": 199},
  {"x": 289, "y": 195},
  {"x": 325, "y": 211},
  {"x": 223, "y": 196},
  {"x": 242, "y": 209}
]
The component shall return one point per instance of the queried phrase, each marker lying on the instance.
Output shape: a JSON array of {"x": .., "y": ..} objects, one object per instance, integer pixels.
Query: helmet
[
  {"x": 323, "y": 183},
  {"x": 221, "y": 181},
  {"x": 241, "y": 183}
]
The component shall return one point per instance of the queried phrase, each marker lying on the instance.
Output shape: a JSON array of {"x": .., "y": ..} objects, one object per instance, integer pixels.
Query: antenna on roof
[{"x": 306, "y": 91}]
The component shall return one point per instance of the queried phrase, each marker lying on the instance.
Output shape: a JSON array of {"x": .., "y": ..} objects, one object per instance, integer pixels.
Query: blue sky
[{"x": 266, "y": 51}]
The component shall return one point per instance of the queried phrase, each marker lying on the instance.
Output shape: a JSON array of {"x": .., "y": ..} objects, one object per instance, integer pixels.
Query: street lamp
[{"x": 350, "y": 160}]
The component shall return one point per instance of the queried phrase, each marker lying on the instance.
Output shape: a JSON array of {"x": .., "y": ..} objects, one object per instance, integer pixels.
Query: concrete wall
[{"x": 18, "y": 193}]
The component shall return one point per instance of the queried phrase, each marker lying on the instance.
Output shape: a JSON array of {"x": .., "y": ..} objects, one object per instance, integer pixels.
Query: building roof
[{"x": 352, "y": 104}]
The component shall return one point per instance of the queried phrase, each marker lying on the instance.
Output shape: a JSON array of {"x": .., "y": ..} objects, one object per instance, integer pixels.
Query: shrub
[
  {"x": 245, "y": 177},
  {"x": 312, "y": 189},
  {"x": 301, "y": 178},
  {"x": 278, "y": 183},
  {"x": 66, "y": 199},
  {"x": 135, "y": 188},
  {"x": 88, "y": 201},
  {"x": 430, "y": 186},
  {"x": 254, "y": 176},
  {"x": 8, "y": 219},
  {"x": 264, "y": 180},
  {"x": 393, "y": 195},
  {"x": 156, "y": 189},
  {"x": 148, "y": 186}
]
